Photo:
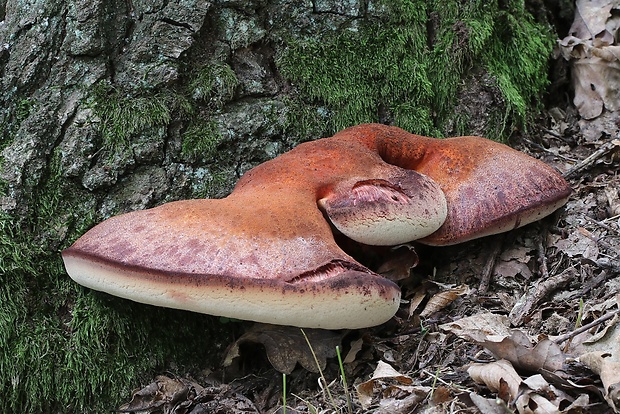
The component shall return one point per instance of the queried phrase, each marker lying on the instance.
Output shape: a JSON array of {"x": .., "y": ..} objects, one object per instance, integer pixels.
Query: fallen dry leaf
[
  {"x": 488, "y": 405},
  {"x": 418, "y": 296},
  {"x": 592, "y": 50},
  {"x": 356, "y": 346},
  {"x": 390, "y": 383},
  {"x": 442, "y": 299},
  {"x": 499, "y": 376},
  {"x": 607, "y": 367},
  {"x": 542, "y": 397},
  {"x": 398, "y": 262},
  {"x": 578, "y": 245},
  {"x": 514, "y": 261},
  {"x": 401, "y": 399},
  {"x": 601, "y": 353},
  {"x": 594, "y": 80},
  {"x": 518, "y": 349},
  {"x": 533, "y": 395},
  {"x": 286, "y": 346},
  {"x": 479, "y": 327},
  {"x": 613, "y": 199},
  {"x": 492, "y": 332}
]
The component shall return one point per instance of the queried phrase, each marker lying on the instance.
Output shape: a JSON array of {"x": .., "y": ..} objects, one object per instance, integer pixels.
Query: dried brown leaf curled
[
  {"x": 517, "y": 349},
  {"x": 399, "y": 262},
  {"x": 607, "y": 366},
  {"x": 479, "y": 327},
  {"x": 491, "y": 331},
  {"x": 499, "y": 376},
  {"x": 443, "y": 299}
]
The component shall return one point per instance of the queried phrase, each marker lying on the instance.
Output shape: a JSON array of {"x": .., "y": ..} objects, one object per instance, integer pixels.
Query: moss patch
[
  {"x": 64, "y": 348},
  {"x": 126, "y": 113},
  {"x": 404, "y": 64}
]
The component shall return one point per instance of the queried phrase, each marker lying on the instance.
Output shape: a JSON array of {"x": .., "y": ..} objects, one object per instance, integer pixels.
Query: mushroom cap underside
[
  {"x": 208, "y": 256},
  {"x": 347, "y": 299},
  {"x": 402, "y": 207}
]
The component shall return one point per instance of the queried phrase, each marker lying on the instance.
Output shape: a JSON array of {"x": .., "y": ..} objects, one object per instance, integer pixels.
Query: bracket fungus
[{"x": 268, "y": 253}]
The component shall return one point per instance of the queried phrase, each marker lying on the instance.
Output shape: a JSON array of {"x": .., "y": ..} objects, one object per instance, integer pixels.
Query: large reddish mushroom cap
[
  {"x": 489, "y": 187},
  {"x": 267, "y": 252},
  {"x": 215, "y": 257}
]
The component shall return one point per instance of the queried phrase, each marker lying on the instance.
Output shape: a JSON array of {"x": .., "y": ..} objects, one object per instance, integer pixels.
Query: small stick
[
  {"x": 599, "y": 153},
  {"x": 540, "y": 147},
  {"x": 599, "y": 241},
  {"x": 585, "y": 327},
  {"x": 487, "y": 270},
  {"x": 600, "y": 223},
  {"x": 542, "y": 259},
  {"x": 537, "y": 292}
]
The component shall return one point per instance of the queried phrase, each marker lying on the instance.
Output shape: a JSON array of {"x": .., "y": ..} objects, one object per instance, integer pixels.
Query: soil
[{"x": 541, "y": 282}]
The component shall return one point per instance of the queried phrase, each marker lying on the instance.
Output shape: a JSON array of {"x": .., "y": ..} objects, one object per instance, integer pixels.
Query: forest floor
[{"x": 521, "y": 322}]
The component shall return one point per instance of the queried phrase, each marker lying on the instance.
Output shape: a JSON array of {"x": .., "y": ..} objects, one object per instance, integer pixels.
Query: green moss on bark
[
  {"x": 405, "y": 64},
  {"x": 65, "y": 348}
]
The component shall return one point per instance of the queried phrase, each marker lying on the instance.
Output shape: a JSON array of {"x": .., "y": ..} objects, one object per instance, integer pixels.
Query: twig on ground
[
  {"x": 537, "y": 292},
  {"x": 541, "y": 148},
  {"x": 552, "y": 133},
  {"x": 487, "y": 270},
  {"x": 601, "y": 224},
  {"x": 585, "y": 327},
  {"x": 606, "y": 263},
  {"x": 599, "y": 241},
  {"x": 599, "y": 153},
  {"x": 542, "y": 258}
]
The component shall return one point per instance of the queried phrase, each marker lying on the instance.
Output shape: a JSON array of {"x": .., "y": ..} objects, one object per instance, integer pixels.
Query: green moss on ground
[
  {"x": 64, "y": 348},
  {"x": 405, "y": 64}
]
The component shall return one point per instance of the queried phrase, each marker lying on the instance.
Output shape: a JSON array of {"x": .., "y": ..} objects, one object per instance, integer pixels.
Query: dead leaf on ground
[
  {"x": 492, "y": 332},
  {"x": 286, "y": 346},
  {"x": 488, "y": 405},
  {"x": 607, "y": 366},
  {"x": 419, "y": 294},
  {"x": 518, "y": 349},
  {"x": 394, "y": 390},
  {"x": 613, "y": 199},
  {"x": 398, "y": 262},
  {"x": 542, "y": 397},
  {"x": 514, "y": 261},
  {"x": 592, "y": 49},
  {"x": 499, "y": 377},
  {"x": 531, "y": 395},
  {"x": 578, "y": 245},
  {"x": 601, "y": 353},
  {"x": 442, "y": 299},
  {"x": 479, "y": 327}
]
